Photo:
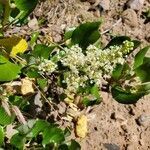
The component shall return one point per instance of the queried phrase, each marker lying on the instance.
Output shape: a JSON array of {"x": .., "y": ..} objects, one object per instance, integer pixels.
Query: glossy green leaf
[
  {"x": 143, "y": 71},
  {"x": 74, "y": 145},
  {"x": 5, "y": 119},
  {"x": 117, "y": 72},
  {"x": 53, "y": 135},
  {"x": 144, "y": 88},
  {"x": 86, "y": 34},
  {"x": 125, "y": 97},
  {"x": 18, "y": 141},
  {"x": 1, "y": 135},
  {"x": 25, "y": 7},
  {"x": 118, "y": 40},
  {"x": 139, "y": 57},
  {"x": 68, "y": 33},
  {"x": 8, "y": 70},
  {"x": 41, "y": 50},
  {"x": 39, "y": 127},
  {"x": 63, "y": 147}
]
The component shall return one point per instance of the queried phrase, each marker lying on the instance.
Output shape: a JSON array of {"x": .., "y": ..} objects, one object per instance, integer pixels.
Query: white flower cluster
[
  {"x": 95, "y": 63},
  {"x": 47, "y": 66}
]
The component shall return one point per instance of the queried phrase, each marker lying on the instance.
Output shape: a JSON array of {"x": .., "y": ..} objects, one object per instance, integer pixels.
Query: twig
[{"x": 118, "y": 21}]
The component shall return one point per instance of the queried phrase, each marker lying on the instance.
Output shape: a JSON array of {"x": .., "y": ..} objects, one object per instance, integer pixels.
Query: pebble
[
  {"x": 105, "y": 4},
  {"x": 144, "y": 120},
  {"x": 33, "y": 24},
  {"x": 111, "y": 146},
  {"x": 130, "y": 18},
  {"x": 135, "y": 4}
]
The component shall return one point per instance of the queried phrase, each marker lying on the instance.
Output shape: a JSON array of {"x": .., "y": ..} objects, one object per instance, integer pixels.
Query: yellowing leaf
[
  {"x": 14, "y": 45},
  {"x": 81, "y": 126},
  {"x": 26, "y": 87},
  {"x": 69, "y": 99}
]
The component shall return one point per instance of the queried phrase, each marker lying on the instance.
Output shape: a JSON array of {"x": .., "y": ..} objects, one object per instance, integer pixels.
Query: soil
[{"x": 111, "y": 125}]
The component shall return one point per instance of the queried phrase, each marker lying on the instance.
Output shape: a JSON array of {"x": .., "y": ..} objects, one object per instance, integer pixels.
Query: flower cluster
[
  {"x": 47, "y": 66},
  {"x": 93, "y": 65}
]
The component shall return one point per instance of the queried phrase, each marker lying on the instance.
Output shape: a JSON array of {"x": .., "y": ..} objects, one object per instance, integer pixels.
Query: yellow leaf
[
  {"x": 81, "y": 126},
  {"x": 26, "y": 87},
  {"x": 14, "y": 45}
]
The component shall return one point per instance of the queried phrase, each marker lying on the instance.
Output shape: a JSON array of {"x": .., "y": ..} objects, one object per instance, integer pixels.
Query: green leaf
[
  {"x": 53, "y": 135},
  {"x": 117, "y": 72},
  {"x": 86, "y": 34},
  {"x": 41, "y": 50},
  {"x": 39, "y": 127},
  {"x": 8, "y": 70},
  {"x": 94, "y": 97},
  {"x": 143, "y": 71},
  {"x": 34, "y": 37},
  {"x": 25, "y": 7},
  {"x": 1, "y": 135},
  {"x": 118, "y": 40},
  {"x": 63, "y": 147},
  {"x": 125, "y": 97},
  {"x": 68, "y": 33},
  {"x": 5, "y": 119},
  {"x": 42, "y": 83},
  {"x": 95, "y": 91},
  {"x": 32, "y": 72},
  {"x": 139, "y": 57},
  {"x": 74, "y": 145},
  {"x": 144, "y": 88},
  {"x": 18, "y": 141}
]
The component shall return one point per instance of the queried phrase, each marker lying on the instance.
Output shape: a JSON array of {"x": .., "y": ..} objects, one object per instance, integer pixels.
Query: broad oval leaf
[
  {"x": 143, "y": 71},
  {"x": 74, "y": 145},
  {"x": 86, "y": 34},
  {"x": 5, "y": 119},
  {"x": 41, "y": 50},
  {"x": 8, "y": 70},
  {"x": 125, "y": 97},
  {"x": 14, "y": 45},
  {"x": 53, "y": 135},
  {"x": 25, "y": 7},
  {"x": 139, "y": 57},
  {"x": 18, "y": 141},
  {"x": 118, "y": 40},
  {"x": 39, "y": 126}
]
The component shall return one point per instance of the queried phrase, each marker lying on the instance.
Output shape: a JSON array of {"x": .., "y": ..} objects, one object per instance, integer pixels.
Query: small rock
[
  {"x": 33, "y": 24},
  {"x": 111, "y": 146},
  {"x": 143, "y": 120},
  {"x": 130, "y": 18},
  {"x": 135, "y": 4},
  {"x": 131, "y": 146},
  {"x": 105, "y": 4},
  {"x": 117, "y": 117}
]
